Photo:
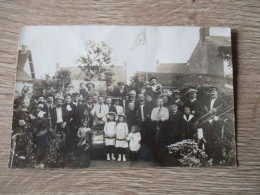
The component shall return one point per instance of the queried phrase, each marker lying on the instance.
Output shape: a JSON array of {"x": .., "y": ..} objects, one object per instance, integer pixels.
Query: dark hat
[
  {"x": 75, "y": 94},
  {"x": 192, "y": 90},
  {"x": 212, "y": 87},
  {"x": 174, "y": 104},
  {"x": 88, "y": 97},
  {"x": 186, "y": 106},
  {"x": 121, "y": 83},
  {"x": 90, "y": 84},
  {"x": 40, "y": 96},
  {"x": 149, "y": 93},
  {"x": 151, "y": 78},
  {"x": 110, "y": 113},
  {"x": 50, "y": 95},
  {"x": 68, "y": 94}
]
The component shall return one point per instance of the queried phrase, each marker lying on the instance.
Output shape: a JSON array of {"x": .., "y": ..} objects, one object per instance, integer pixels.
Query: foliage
[
  {"x": 188, "y": 154},
  {"x": 62, "y": 81},
  {"x": 96, "y": 63},
  {"x": 137, "y": 82},
  {"x": 224, "y": 52}
]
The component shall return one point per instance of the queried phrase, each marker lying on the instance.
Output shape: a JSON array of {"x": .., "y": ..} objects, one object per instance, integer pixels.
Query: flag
[{"x": 140, "y": 39}]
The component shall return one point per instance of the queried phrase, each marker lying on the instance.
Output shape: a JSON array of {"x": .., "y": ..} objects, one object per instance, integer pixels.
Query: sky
[{"x": 64, "y": 45}]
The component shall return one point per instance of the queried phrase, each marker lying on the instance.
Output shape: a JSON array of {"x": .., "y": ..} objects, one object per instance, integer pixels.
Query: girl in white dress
[
  {"x": 134, "y": 138},
  {"x": 121, "y": 137},
  {"x": 110, "y": 135}
]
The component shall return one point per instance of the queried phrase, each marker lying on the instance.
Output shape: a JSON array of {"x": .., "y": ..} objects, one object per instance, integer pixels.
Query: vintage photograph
[{"x": 123, "y": 96}]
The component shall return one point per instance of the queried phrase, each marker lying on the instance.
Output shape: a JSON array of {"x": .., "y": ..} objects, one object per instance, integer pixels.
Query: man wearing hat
[
  {"x": 99, "y": 113},
  {"x": 214, "y": 130},
  {"x": 60, "y": 119},
  {"x": 154, "y": 87},
  {"x": 91, "y": 88},
  {"x": 176, "y": 98},
  {"x": 197, "y": 107},
  {"x": 214, "y": 103},
  {"x": 174, "y": 124},
  {"x": 40, "y": 128}
]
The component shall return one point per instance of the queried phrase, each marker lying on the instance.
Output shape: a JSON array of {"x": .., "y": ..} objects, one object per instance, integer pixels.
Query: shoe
[
  {"x": 124, "y": 159},
  {"x": 113, "y": 156},
  {"x": 119, "y": 157},
  {"x": 108, "y": 157}
]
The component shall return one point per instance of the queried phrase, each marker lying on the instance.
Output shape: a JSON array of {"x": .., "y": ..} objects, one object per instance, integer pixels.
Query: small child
[
  {"x": 84, "y": 134},
  {"x": 119, "y": 109},
  {"x": 110, "y": 135},
  {"x": 134, "y": 138},
  {"x": 121, "y": 137}
]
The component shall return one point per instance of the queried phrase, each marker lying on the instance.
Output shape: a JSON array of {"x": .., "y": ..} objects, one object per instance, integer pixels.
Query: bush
[{"x": 188, "y": 154}]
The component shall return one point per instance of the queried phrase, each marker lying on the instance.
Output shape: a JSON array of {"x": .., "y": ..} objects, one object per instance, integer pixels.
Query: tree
[
  {"x": 62, "y": 81},
  {"x": 96, "y": 62},
  {"x": 224, "y": 52},
  {"x": 137, "y": 82}
]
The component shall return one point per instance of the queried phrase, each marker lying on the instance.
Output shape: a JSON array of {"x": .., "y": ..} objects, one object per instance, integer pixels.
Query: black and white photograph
[{"x": 123, "y": 97}]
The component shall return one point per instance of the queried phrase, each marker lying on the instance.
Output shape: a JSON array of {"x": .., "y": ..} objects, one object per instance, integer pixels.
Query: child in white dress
[
  {"x": 134, "y": 138},
  {"x": 110, "y": 135},
  {"x": 121, "y": 137}
]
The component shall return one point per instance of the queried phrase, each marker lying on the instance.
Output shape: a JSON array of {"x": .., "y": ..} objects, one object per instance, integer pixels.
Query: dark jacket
[
  {"x": 65, "y": 116},
  {"x": 175, "y": 122},
  {"x": 219, "y": 103},
  {"x": 197, "y": 107}
]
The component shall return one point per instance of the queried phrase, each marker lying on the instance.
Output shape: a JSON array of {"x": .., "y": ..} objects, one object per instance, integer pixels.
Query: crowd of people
[{"x": 134, "y": 126}]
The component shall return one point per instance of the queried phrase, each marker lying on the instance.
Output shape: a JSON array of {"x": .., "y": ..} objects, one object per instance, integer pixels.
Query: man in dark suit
[
  {"x": 214, "y": 103},
  {"x": 197, "y": 108},
  {"x": 175, "y": 133},
  {"x": 132, "y": 99},
  {"x": 120, "y": 92},
  {"x": 60, "y": 119},
  {"x": 111, "y": 107},
  {"x": 214, "y": 129}
]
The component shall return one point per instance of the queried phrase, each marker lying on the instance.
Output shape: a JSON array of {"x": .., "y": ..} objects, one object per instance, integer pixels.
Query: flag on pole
[{"x": 139, "y": 40}]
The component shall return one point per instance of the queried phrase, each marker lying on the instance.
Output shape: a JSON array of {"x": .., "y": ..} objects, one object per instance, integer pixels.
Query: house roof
[
  {"x": 219, "y": 40},
  {"x": 21, "y": 75}
]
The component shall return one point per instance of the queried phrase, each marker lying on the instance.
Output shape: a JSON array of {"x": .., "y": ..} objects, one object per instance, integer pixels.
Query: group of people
[{"x": 129, "y": 121}]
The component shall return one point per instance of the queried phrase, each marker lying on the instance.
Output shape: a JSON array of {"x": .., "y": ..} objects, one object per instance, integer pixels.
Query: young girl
[
  {"x": 134, "y": 138},
  {"x": 121, "y": 137},
  {"x": 110, "y": 135},
  {"x": 84, "y": 134}
]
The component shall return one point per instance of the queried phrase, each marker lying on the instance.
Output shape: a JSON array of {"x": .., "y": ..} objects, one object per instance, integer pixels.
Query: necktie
[
  {"x": 100, "y": 109},
  {"x": 159, "y": 110}
]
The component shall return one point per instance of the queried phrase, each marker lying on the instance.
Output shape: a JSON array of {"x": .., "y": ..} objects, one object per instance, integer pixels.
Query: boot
[
  {"x": 113, "y": 156},
  {"x": 124, "y": 159},
  {"x": 119, "y": 157},
  {"x": 108, "y": 157}
]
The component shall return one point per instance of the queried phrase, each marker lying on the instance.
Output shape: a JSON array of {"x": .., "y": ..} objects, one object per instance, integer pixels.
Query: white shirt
[
  {"x": 59, "y": 115},
  {"x": 212, "y": 103},
  {"x": 160, "y": 113},
  {"x": 142, "y": 111},
  {"x": 192, "y": 100}
]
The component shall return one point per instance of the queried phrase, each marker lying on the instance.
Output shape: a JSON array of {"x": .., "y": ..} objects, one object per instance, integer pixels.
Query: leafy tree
[
  {"x": 137, "y": 82},
  {"x": 96, "y": 62},
  {"x": 224, "y": 52},
  {"x": 62, "y": 81}
]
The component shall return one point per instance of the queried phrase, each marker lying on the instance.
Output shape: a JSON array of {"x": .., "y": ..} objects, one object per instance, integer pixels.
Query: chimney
[
  {"x": 24, "y": 49},
  {"x": 204, "y": 32}
]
